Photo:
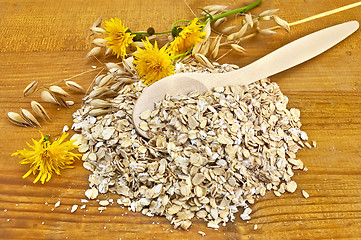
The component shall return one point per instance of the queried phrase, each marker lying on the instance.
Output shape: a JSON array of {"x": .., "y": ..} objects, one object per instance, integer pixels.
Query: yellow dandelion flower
[
  {"x": 188, "y": 37},
  {"x": 47, "y": 158},
  {"x": 152, "y": 63},
  {"x": 119, "y": 37}
]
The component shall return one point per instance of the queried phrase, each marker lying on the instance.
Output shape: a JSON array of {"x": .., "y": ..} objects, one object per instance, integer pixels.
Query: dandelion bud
[
  {"x": 138, "y": 37},
  {"x": 150, "y": 31},
  {"x": 176, "y": 30}
]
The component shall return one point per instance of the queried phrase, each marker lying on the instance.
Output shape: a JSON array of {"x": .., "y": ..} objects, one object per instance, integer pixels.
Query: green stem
[
  {"x": 139, "y": 33},
  {"x": 157, "y": 33},
  {"x": 238, "y": 10},
  {"x": 178, "y": 21},
  {"x": 47, "y": 140},
  {"x": 182, "y": 55}
]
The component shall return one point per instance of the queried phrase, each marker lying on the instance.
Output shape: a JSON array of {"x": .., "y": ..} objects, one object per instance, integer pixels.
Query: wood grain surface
[{"x": 48, "y": 41}]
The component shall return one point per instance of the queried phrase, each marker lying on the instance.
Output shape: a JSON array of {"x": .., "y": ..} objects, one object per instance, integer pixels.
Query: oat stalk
[
  {"x": 311, "y": 18},
  {"x": 46, "y": 86}
]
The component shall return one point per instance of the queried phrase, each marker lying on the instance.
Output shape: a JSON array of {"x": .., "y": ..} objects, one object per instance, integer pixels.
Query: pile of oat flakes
[{"x": 209, "y": 154}]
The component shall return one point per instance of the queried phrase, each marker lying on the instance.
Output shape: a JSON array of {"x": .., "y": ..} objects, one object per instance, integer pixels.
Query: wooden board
[{"x": 47, "y": 40}]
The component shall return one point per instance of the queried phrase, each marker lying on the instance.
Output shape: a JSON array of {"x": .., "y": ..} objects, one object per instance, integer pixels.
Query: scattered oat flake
[
  {"x": 103, "y": 203},
  {"x": 57, "y": 204},
  {"x": 314, "y": 144},
  {"x": 305, "y": 194},
  {"x": 69, "y": 103},
  {"x": 255, "y": 227},
  {"x": 277, "y": 193},
  {"x": 212, "y": 224},
  {"x": 245, "y": 217},
  {"x": 74, "y": 208},
  {"x": 91, "y": 193},
  {"x": 291, "y": 186},
  {"x": 102, "y": 208},
  {"x": 202, "y": 233}
]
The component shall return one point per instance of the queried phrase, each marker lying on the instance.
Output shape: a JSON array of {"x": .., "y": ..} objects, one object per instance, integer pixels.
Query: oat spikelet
[
  {"x": 128, "y": 64},
  {"x": 108, "y": 52},
  {"x": 30, "y": 89},
  {"x": 204, "y": 48},
  {"x": 108, "y": 79},
  {"x": 98, "y": 112},
  {"x": 267, "y": 32},
  {"x": 58, "y": 91},
  {"x": 238, "y": 48},
  {"x": 211, "y": 8},
  {"x": 207, "y": 29},
  {"x": 228, "y": 30},
  {"x": 94, "y": 52},
  {"x": 61, "y": 101},
  {"x": 214, "y": 48},
  {"x": 268, "y": 12},
  {"x": 204, "y": 61},
  {"x": 117, "y": 86},
  {"x": 97, "y": 79},
  {"x": 48, "y": 97},
  {"x": 101, "y": 42},
  {"x": 16, "y": 119},
  {"x": 249, "y": 19},
  {"x": 98, "y": 92},
  {"x": 75, "y": 86},
  {"x": 39, "y": 110},
  {"x": 97, "y": 30},
  {"x": 241, "y": 32},
  {"x": 99, "y": 103},
  {"x": 97, "y": 22},
  {"x": 265, "y": 18},
  {"x": 282, "y": 23},
  {"x": 25, "y": 114},
  {"x": 219, "y": 22},
  {"x": 111, "y": 65}
]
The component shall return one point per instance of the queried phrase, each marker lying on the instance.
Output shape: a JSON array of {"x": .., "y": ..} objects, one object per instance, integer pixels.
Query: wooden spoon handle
[{"x": 285, "y": 57}]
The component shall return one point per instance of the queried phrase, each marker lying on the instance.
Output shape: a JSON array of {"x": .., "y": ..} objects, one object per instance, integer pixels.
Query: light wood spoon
[{"x": 281, "y": 59}]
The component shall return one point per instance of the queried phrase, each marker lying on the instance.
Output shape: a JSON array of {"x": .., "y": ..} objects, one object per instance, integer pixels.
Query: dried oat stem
[
  {"x": 46, "y": 86},
  {"x": 185, "y": 2},
  {"x": 79, "y": 74},
  {"x": 311, "y": 18}
]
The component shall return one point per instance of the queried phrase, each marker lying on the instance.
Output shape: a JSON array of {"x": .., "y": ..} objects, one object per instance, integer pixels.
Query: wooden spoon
[{"x": 283, "y": 58}]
